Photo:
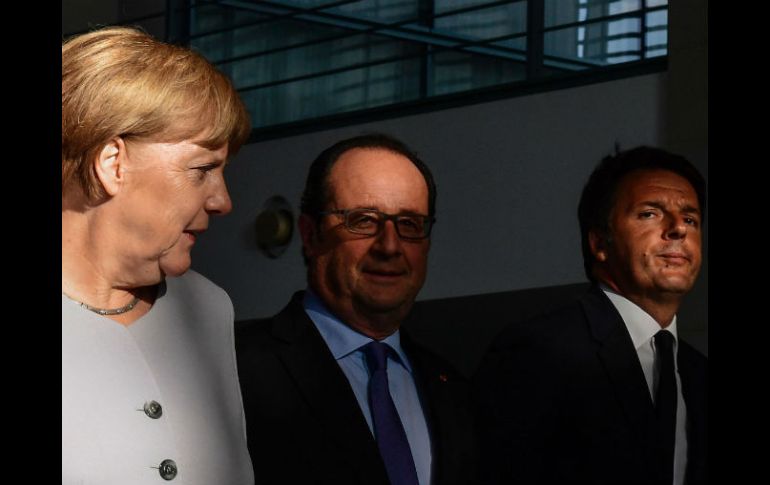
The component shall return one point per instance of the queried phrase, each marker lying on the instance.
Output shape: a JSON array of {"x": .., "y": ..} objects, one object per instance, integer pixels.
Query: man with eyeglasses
[{"x": 334, "y": 390}]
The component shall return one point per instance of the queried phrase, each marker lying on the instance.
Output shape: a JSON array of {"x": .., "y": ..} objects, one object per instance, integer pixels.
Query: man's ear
[
  {"x": 309, "y": 234},
  {"x": 598, "y": 243},
  {"x": 109, "y": 165}
]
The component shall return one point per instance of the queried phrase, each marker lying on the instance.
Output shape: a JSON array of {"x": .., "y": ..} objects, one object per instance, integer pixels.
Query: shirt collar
[
  {"x": 639, "y": 323},
  {"x": 341, "y": 339}
]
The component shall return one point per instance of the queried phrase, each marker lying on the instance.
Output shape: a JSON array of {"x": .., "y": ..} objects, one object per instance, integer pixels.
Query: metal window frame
[{"x": 542, "y": 71}]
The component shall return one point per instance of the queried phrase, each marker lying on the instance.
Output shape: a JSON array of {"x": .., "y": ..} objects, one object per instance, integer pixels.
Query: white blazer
[{"x": 180, "y": 355}]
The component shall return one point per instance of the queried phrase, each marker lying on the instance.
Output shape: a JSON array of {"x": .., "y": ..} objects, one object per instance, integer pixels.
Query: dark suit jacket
[
  {"x": 563, "y": 399},
  {"x": 304, "y": 424}
]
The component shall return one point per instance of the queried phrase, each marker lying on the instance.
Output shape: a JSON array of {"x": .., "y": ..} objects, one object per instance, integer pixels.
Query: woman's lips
[{"x": 193, "y": 235}]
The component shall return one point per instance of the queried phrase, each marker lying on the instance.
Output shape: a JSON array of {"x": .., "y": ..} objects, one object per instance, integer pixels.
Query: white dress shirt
[{"x": 642, "y": 328}]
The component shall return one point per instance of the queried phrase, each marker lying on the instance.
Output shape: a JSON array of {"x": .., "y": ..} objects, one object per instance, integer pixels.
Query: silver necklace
[{"x": 107, "y": 311}]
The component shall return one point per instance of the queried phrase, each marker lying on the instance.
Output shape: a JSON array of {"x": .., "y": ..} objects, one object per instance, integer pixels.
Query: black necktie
[
  {"x": 665, "y": 402},
  {"x": 388, "y": 430}
]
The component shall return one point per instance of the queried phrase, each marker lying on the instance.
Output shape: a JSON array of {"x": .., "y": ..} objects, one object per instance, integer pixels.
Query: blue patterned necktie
[
  {"x": 388, "y": 430},
  {"x": 665, "y": 402}
]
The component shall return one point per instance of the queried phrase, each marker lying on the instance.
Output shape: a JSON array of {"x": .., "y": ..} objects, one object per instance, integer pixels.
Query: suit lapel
[
  {"x": 423, "y": 377},
  {"x": 618, "y": 356},
  {"x": 694, "y": 391},
  {"x": 324, "y": 386},
  {"x": 442, "y": 402}
]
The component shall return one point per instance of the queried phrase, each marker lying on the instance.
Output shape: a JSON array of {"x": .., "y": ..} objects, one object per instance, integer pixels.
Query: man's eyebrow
[{"x": 690, "y": 209}]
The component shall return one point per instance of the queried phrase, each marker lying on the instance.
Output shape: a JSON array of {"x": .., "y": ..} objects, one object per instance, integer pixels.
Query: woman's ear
[{"x": 109, "y": 165}]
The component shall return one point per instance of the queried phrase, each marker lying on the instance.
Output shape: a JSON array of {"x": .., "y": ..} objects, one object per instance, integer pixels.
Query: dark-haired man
[
  {"x": 334, "y": 391},
  {"x": 603, "y": 390}
]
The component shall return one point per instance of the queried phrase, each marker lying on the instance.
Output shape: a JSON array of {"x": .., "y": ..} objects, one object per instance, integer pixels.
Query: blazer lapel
[
  {"x": 325, "y": 387},
  {"x": 426, "y": 380},
  {"x": 619, "y": 358}
]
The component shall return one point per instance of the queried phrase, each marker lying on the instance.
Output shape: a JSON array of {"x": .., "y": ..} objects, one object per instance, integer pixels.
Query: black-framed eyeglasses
[{"x": 370, "y": 222}]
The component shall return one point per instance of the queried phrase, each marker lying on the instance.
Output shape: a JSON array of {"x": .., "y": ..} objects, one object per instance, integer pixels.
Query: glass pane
[
  {"x": 623, "y": 46},
  {"x": 337, "y": 93},
  {"x": 379, "y": 11},
  {"x": 292, "y": 65},
  {"x": 656, "y": 52},
  {"x": 449, "y": 5},
  {"x": 486, "y": 23},
  {"x": 657, "y": 39},
  {"x": 558, "y": 12},
  {"x": 605, "y": 42},
  {"x": 344, "y": 53},
  {"x": 457, "y": 71},
  {"x": 305, "y": 3},
  {"x": 623, "y": 26},
  {"x": 658, "y": 18},
  {"x": 622, "y": 6}
]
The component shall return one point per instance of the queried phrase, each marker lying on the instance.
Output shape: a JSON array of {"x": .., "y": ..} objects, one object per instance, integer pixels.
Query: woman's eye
[{"x": 202, "y": 171}]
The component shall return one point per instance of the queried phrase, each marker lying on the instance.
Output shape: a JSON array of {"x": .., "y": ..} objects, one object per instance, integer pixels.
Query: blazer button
[
  {"x": 153, "y": 409},
  {"x": 167, "y": 469}
]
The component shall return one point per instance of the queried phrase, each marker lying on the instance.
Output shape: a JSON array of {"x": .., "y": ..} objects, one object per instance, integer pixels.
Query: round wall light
[{"x": 274, "y": 226}]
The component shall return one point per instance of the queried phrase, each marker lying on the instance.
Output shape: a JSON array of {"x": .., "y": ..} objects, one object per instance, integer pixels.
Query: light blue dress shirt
[{"x": 345, "y": 345}]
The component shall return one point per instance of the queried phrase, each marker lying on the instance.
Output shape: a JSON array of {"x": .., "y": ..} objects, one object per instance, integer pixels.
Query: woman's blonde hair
[{"x": 120, "y": 81}]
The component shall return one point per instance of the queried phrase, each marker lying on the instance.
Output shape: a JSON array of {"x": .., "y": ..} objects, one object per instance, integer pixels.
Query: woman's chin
[{"x": 175, "y": 266}]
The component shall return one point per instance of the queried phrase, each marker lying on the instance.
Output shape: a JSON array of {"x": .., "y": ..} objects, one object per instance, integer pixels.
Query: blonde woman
[{"x": 149, "y": 383}]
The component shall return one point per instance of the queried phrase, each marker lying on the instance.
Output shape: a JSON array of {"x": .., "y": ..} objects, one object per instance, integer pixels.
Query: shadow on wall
[{"x": 461, "y": 329}]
